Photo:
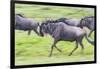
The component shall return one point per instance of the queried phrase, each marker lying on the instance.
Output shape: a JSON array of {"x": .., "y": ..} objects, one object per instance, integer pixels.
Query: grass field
[{"x": 34, "y": 49}]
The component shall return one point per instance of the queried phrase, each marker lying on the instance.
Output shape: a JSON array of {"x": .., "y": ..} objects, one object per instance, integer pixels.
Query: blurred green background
[{"x": 34, "y": 49}]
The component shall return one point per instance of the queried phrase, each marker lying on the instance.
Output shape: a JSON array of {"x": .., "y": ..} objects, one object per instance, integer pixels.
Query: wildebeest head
[
  {"x": 47, "y": 28},
  {"x": 87, "y": 22},
  {"x": 43, "y": 28}
]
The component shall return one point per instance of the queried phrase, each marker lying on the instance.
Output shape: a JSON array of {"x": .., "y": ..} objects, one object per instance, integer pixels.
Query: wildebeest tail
[{"x": 88, "y": 39}]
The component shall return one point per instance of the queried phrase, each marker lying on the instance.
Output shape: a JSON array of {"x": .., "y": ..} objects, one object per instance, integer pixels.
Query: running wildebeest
[
  {"x": 62, "y": 32},
  {"x": 26, "y": 24},
  {"x": 88, "y": 22},
  {"x": 84, "y": 22}
]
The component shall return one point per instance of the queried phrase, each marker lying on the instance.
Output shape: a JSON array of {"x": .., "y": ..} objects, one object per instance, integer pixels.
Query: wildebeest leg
[
  {"x": 36, "y": 31},
  {"x": 53, "y": 45},
  {"x": 82, "y": 47},
  {"x": 29, "y": 32},
  {"x": 74, "y": 49},
  {"x": 90, "y": 33},
  {"x": 58, "y": 48}
]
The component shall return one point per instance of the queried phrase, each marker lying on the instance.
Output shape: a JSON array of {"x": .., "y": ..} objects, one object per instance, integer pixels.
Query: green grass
[
  {"x": 42, "y": 12},
  {"x": 34, "y": 49}
]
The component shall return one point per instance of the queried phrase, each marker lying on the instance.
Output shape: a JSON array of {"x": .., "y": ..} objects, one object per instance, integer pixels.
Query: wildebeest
[
  {"x": 88, "y": 22},
  {"x": 26, "y": 24},
  {"x": 62, "y": 32}
]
